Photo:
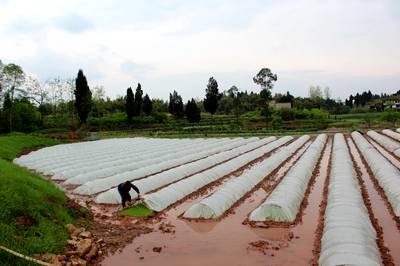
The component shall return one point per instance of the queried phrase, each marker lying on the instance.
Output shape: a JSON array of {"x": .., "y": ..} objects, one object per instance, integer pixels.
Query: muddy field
[{"x": 168, "y": 238}]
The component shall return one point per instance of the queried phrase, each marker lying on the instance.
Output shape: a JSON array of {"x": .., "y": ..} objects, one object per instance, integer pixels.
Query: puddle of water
[
  {"x": 225, "y": 242},
  {"x": 299, "y": 251},
  {"x": 391, "y": 235}
]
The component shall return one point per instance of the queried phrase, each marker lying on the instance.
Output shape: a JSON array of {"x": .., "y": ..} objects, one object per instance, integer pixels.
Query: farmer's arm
[{"x": 135, "y": 188}]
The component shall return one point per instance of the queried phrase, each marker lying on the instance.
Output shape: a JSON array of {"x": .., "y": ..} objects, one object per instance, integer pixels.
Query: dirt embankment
[{"x": 107, "y": 234}]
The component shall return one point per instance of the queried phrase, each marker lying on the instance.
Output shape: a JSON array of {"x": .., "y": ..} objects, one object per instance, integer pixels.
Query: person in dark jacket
[{"x": 124, "y": 189}]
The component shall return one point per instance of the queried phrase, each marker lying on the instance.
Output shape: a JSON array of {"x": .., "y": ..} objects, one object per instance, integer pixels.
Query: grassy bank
[
  {"x": 13, "y": 144},
  {"x": 33, "y": 211}
]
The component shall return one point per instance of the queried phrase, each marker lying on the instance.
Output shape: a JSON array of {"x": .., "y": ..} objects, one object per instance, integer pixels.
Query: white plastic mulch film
[
  {"x": 150, "y": 183},
  {"x": 65, "y": 154},
  {"x": 184, "y": 155},
  {"x": 283, "y": 204},
  {"x": 168, "y": 195},
  {"x": 348, "y": 236},
  {"x": 388, "y": 143},
  {"x": 77, "y": 157},
  {"x": 392, "y": 134},
  {"x": 151, "y": 158},
  {"x": 219, "y": 202},
  {"x": 139, "y": 160},
  {"x": 386, "y": 173}
]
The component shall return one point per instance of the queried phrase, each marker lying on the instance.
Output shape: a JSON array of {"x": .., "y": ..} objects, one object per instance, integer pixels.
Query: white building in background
[
  {"x": 396, "y": 106},
  {"x": 274, "y": 104}
]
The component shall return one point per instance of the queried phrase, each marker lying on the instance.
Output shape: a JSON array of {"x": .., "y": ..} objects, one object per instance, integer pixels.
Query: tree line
[{"x": 25, "y": 102}]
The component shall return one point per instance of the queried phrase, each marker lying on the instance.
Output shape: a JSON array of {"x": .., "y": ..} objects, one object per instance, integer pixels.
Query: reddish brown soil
[
  {"x": 265, "y": 155},
  {"x": 115, "y": 237},
  {"x": 211, "y": 187},
  {"x": 28, "y": 150},
  {"x": 394, "y": 139},
  {"x": 304, "y": 202},
  {"x": 389, "y": 155},
  {"x": 322, "y": 207},
  {"x": 385, "y": 253},
  {"x": 379, "y": 189},
  {"x": 388, "y": 221},
  {"x": 25, "y": 221},
  {"x": 167, "y": 240},
  {"x": 267, "y": 184},
  {"x": 299, "y": 250},
  {"x": 224, "y": 242}
]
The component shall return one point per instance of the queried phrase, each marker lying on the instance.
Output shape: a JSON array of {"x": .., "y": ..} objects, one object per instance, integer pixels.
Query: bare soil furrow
[{"x": 386, "y": 257}]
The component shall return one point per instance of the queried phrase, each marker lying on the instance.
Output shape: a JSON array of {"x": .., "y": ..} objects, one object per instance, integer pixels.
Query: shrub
[
  {"x": 277, "y": 122},
  {"x": 24, "y": 118},
  {"x": 391, "y": 116},
  {"x": 287, "y": 114}
]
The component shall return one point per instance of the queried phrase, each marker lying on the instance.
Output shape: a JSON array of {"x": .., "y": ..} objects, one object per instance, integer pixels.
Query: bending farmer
[{"x": 124, "y": 189}]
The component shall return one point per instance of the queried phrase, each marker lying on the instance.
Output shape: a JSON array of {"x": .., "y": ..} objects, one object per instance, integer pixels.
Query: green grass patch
[
  {"x": 139, "y": 210},
  {"x": 13, "y": 144},
  {"x": 33, "y": 211}
]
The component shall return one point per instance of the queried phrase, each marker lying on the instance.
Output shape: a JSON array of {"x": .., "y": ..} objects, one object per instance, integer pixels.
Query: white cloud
[{"x": 179, "y": 44}]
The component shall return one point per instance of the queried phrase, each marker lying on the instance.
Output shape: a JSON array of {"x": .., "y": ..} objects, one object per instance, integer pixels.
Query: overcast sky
[{"x": 348, "y": 45}]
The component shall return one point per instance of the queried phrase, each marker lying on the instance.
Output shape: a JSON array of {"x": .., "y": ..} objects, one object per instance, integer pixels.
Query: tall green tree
[
  {"x": 212, "y": 96},
  {"x": 11, "y": 78},
  {"x": 265, "y": 78},
  {"x": 147, "y": 105},
  {"x": 7, "y": 104},
  {"x": 192, "y": 111},
  {"x": 130, "y": 104},
  {"x": 233, "y": 93},
  {"x": 83, "y": 97},
  {"x": 138, "y": 100},
  {"x": 175, "y": 106}
]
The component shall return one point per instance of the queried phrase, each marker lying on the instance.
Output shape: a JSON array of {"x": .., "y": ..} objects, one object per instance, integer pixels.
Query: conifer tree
[
  {"x": 212, "y": 96},
  {"x": 147, "y": 105},
  {"x": 192, "y": 111},
  {"x": 83, "y": 97},
  {"x": 138, "y": 100},
  {"x": 175, "y": 106},
  {"x": 130, "y": 104}
]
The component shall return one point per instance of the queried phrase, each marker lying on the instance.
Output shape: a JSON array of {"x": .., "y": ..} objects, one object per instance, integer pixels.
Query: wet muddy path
[
  {"x": 177, "y": 241},
  {"x": 380, "y": 208}
]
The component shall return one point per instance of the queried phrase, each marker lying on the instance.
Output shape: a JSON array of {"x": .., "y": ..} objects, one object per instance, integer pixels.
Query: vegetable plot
[
  {"x": 348, "y": 236},
  {"x": 219, "y": 202},
  {"x": 93, "y": 153},
  {"x": 139, "y": 153},
  {"x": 386, "y": 142},
  {"x": 163, "y": 198},
  {"x": 391, "y": 134},
  {"x": 283, "y": 204},
  {"x": 152, "y": 158},
  {"x": 387, "y": 174},
  {"x": 155, "y": 181},
  {"x": 157, "y": 157},
  {"x": 158, "y": 164}
]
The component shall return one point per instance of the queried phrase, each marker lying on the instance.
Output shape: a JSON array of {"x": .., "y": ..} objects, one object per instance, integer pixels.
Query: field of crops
[{"x": 324, "y": 199}]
